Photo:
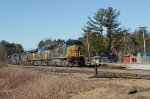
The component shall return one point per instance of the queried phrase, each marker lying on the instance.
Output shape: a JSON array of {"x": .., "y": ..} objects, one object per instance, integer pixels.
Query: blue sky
[{"x": 29, "y": 21}]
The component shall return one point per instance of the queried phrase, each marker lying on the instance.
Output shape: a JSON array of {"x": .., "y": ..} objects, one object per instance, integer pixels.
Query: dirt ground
[{"x": 22, "y": 82}]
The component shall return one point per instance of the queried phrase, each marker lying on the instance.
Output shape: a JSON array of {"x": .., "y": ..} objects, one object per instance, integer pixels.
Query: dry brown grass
[
  {"x": 26, "y": 83},
  {"x": 2, "y": 65},
  {"x": 20, "y": 83}
]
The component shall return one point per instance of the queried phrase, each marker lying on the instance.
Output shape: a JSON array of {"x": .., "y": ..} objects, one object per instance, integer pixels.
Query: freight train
[{"x": 70, "y": 53}]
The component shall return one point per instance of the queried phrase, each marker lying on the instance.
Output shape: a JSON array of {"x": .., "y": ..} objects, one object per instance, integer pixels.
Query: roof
[{"x": 143, "y": 53}]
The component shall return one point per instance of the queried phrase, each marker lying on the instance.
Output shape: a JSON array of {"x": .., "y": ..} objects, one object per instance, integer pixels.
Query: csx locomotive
[{"x": 70, "y": 53}]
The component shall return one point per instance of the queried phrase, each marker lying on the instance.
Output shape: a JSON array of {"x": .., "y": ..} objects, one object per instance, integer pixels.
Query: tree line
[
  {"x": 50, "y": 42},
  {"x": 7, "y": 49}
]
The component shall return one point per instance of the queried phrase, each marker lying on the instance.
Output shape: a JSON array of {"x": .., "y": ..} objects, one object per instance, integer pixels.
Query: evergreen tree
[
  {"x": 41, "y": 44},
  {"x": 112, "y": 25},
  {"x": 104, "y": 19},
  {"x": 95, "y": 40}
]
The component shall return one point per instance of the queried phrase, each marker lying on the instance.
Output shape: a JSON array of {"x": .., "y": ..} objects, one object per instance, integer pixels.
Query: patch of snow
[{"x": 139, "y": 66}]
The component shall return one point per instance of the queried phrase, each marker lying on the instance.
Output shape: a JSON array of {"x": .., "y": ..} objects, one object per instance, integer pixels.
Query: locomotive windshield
[{"x": 73, "y": 42}]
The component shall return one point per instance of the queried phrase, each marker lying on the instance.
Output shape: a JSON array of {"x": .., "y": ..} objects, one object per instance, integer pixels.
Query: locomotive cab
[{"x": 75, "y": 53}]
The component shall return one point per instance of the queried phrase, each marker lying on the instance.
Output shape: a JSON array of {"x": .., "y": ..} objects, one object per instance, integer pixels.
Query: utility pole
[
  {"x": 88, "y": 31},
  {"x": 143, "y": 29},
  {"x": 124, "y": 42},
  {"x": 88, "y": 46}
]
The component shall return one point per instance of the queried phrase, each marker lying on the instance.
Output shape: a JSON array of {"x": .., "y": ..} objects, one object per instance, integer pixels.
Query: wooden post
[{"x": 96, "y": 73}]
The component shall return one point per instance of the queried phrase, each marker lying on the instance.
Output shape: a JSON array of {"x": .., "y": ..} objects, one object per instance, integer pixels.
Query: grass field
[{"x": 42, "y": 83}]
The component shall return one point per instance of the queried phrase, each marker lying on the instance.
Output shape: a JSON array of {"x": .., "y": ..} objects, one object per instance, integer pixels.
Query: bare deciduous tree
[{"x": 3, "y": 53}]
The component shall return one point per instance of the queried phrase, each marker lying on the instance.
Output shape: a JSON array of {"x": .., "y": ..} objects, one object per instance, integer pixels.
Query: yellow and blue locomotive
[{"x": 70, "y": 53}]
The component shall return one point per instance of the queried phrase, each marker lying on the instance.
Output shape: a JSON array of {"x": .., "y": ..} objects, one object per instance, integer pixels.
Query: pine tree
[
  {"x": 111, "y": 23},
  {"x": 104, "y": 19}
]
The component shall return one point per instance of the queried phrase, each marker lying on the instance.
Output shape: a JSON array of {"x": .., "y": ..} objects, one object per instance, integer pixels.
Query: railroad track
[{"x": 102, "y": 72}]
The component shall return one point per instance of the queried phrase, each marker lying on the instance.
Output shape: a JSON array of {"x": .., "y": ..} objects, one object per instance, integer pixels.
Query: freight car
[{"x": 70, "y": 53}]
